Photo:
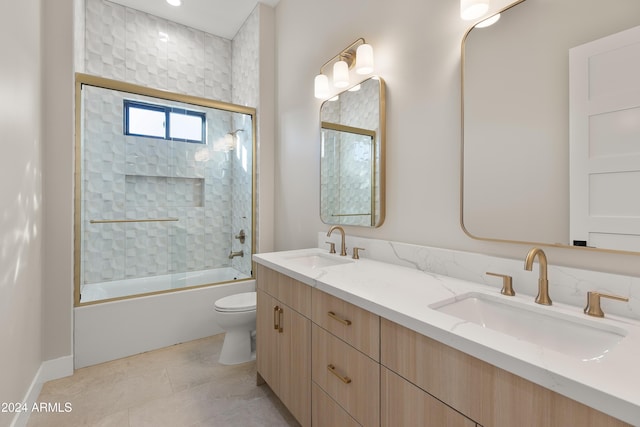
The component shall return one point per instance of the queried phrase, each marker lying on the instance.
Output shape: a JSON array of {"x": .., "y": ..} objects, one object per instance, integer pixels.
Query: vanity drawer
[
  {"x": 287, "y": 290},
  {"x": 350, "y": 323},
  {"x": 404, "y": 404},
  {"x": 326, "y": 412},
  {"x": 488, "y": 395},
  {"x": 350, "y": 377}
]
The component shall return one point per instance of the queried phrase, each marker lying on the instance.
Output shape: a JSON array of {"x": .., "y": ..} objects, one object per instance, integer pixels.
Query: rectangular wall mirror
[
  {"x": 517, "y": 125},
  {"x": 352, "y": 138}
]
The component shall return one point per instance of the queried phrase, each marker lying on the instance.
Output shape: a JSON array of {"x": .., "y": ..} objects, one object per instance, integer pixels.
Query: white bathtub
[
  {"x": 115, "y": 329},
  {"x": 144, "y": 285}
]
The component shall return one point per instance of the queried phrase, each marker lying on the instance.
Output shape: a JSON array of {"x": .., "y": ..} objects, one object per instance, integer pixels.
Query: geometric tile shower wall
[
  {"x": 135, "y": 177},
  {"x": 245, "y": 91}
]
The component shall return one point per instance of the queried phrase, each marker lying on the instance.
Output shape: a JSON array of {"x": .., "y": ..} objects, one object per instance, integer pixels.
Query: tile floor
[{"x": 178, "y": 386}]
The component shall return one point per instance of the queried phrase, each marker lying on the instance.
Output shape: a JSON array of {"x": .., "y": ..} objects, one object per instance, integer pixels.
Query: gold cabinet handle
[
  {"x": 338, "y": 318},
  {"x": 344, "y": 379},
  {"x": 280, "y": 311},
  {"x": 276, "y": 318},
  {"x": 593, "y": 303}
]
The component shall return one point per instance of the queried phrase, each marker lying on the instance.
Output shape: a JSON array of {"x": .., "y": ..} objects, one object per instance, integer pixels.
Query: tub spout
[{"x": 235, "y": 254}]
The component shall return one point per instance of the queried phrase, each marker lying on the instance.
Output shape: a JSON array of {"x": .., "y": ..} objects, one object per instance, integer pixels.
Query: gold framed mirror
[
  {"x": 516, "y": 131},
  {"x": 352, "y": 146}
]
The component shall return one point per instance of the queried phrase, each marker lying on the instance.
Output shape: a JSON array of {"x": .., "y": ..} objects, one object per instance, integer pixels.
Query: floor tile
[{"x": 181, "y": 385}]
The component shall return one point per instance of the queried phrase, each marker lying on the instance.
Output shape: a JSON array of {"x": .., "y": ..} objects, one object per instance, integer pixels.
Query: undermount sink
[
  {"x": 580, "y": 338},
  {"x": 318, "y": 260}
]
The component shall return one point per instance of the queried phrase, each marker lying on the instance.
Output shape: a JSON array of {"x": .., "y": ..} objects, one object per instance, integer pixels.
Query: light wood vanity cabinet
[
  {"x": 489, "y": 395},
  {"x": 357, "y": 327},
  {"x": 283, "y": 329},
  {"x": 348, "y": 376},
  {"x": 345, "y": 369},
  {"x": 325, "y": 412},
  {"x": 334, "y": 364},
  {"x": 404, "y": 404}
]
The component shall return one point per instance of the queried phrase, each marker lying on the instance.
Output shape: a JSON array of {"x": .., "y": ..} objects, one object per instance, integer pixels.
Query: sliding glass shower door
[{"x": 164, "y": 191}]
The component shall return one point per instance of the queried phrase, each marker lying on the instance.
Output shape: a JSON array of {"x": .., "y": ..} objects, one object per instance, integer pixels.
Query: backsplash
[{"x": 566, "y": 285}]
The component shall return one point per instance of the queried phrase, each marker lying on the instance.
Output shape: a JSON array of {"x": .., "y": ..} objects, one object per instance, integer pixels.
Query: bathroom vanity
[{"x": 346, "y": 342}]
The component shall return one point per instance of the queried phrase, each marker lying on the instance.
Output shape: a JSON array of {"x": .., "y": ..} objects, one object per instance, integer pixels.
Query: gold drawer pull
[
  {"x": 344, "y": 379},
  {"x": 275, "y": 318},
  {"x": 339, "y": 319}
]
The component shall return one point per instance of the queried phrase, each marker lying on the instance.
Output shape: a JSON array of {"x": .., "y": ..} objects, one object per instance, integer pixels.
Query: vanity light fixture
[
  {"x": 473, "y": 9},
  {"x": 358, "y": 55},
  {"x": 364, "y": 59},
  {"x": 321, "y": 86},
  {"x": 341, "y": 74}
]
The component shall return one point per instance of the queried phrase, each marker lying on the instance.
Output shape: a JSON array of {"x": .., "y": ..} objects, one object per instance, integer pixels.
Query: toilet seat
[{"x": 237, "y": 303}]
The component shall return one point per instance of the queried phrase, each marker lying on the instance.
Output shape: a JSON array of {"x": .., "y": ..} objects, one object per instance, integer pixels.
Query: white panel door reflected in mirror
[{"x": 516, "y": 130}]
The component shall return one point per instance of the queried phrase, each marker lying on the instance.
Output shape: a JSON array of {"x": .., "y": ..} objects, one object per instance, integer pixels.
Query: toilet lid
[{"x": 237, "y": 302}]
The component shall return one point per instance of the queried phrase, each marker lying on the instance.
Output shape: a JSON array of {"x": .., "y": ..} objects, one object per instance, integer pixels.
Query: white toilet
[{"x": 236, "y": 314}]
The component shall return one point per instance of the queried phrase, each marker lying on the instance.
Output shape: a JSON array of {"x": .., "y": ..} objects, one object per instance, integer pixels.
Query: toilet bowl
[{"x": 236, "y": 314}]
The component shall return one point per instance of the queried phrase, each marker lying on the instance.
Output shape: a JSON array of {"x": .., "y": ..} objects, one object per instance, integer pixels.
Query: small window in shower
[{"x": 165, "y": 122}]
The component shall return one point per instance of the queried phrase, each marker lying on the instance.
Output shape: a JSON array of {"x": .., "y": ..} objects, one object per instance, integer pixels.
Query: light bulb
[
  {"x": 472, "y": 9},
  {"x": 340, "y": 74},
  {"x": 364, "y": 59},
  {"x": 489, "y": 21},
  {"x": 321, "y": 86}
]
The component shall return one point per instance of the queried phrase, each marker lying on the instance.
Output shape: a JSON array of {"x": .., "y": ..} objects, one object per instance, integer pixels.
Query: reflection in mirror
[
  {"x": 352, "y": 156},
  {"x": 516, "y": 118}
]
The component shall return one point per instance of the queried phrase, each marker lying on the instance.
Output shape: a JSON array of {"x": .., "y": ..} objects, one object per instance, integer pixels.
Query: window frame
[{"x": 167, "y": 110}]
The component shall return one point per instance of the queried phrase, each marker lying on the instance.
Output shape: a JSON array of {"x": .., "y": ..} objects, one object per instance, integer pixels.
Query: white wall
[
  {"x": 417, "y": 48},
  {"x": 20, "y": 201},
  {"x": 58, "y": 143}
]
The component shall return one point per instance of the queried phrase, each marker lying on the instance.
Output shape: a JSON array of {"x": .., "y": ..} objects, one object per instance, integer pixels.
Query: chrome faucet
[
  {"x": 343, "y": 247},
  {"x": 543, "y": 283}
]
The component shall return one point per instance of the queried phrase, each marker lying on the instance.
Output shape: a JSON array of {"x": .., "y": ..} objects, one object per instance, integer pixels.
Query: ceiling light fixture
[
  {"x": 473, "y": 9},
  {"x": 358, "y": 55},
  {"x": 174, "y": 2}
]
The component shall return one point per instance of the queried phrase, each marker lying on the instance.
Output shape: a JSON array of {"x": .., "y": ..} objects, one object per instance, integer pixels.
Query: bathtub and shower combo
[{"x": 164, "y": 216}]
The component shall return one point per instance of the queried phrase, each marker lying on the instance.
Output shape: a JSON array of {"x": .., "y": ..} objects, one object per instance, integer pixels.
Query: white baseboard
[{"x": 49, "y": 370}]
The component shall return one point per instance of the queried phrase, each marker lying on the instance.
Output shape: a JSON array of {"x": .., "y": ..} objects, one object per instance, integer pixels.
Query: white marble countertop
[{"x": 610, "y": 383}]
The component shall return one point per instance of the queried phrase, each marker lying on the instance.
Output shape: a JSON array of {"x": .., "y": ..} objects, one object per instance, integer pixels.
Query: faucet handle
[
  {"x": 593, "y": 303},
  {"x": 332, "y": 247},
  {"x": 356, "y": 254},
  {"x": 507, "y": 284}
]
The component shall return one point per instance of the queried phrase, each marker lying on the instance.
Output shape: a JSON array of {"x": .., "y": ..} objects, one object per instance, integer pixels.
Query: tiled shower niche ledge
[{"x": 163, "y": 191}]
